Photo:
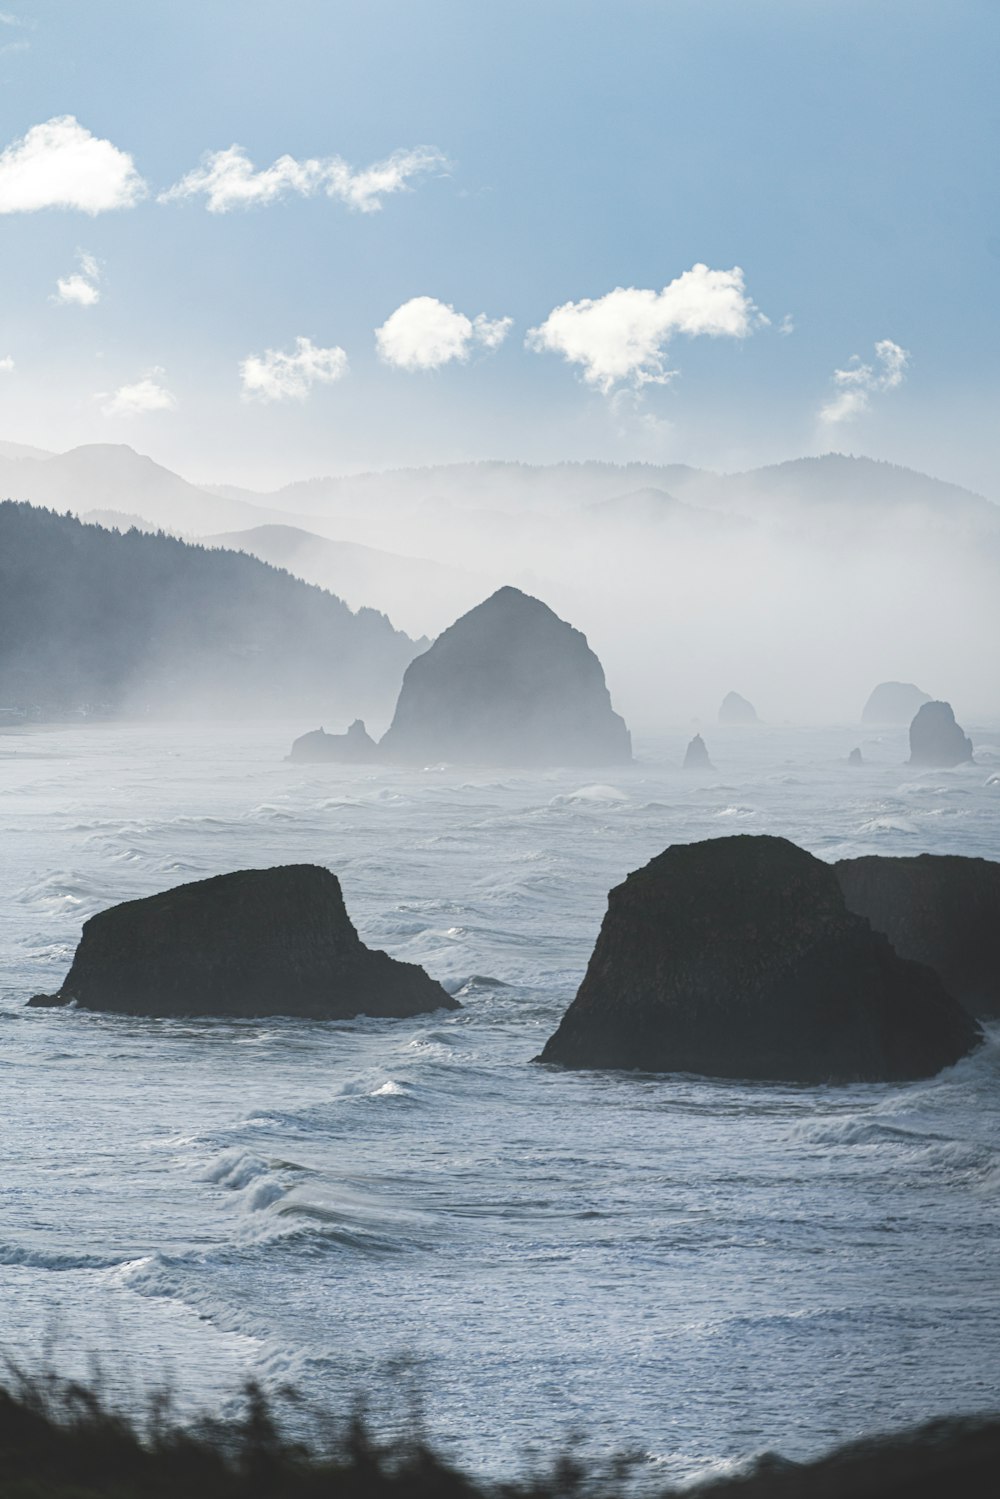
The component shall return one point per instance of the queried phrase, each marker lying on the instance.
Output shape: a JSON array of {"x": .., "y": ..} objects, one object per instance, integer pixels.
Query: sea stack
[
  {"x": 940, "y": 909},
  {"x": 936, "y": 740},
  {"x": 509, "y": 683},
  {"x": 696, "y": 755},
  {"x": 356, "y": 747},
  {"x": 253, "y": 943},
  {"x": 894, "y": 703},
  {"x": 855, "y": 757},
  {"x": 736, "y": 709},
  {"x": 738, "y": 958}
]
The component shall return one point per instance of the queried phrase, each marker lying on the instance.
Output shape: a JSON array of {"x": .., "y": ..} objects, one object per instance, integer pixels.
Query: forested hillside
[{"x": 92, "y": 619}]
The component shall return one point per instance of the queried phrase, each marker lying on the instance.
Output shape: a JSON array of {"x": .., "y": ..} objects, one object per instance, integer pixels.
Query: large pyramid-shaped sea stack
[
  {"x": 738, "y": 957},
  {"x": 256, "y": 942},
  {"x": 509, "y": 683}
]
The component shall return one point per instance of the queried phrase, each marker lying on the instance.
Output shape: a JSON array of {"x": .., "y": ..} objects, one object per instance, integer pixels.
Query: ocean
[{"x": 399, "y": 1211}]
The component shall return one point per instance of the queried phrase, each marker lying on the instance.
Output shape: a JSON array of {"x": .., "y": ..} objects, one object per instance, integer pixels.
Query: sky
[{"x": 261, "y": 243}]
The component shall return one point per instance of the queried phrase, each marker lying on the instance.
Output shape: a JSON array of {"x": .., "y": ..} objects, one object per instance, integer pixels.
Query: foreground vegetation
[{"x": 61, "y": 1440}]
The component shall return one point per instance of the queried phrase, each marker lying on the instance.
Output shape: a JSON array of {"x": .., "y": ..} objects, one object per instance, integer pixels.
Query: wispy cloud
[
  {"x": 623, "y": 336},
  {"x": 146, "y": 395},
  {"x": 79, "y": 288},
  {"x": 21, "y": 45},
  {"x": 228, "y": 179},
  {"x": 856, "y": 385},
  {"x": 424, "y": 334},
  {"x": 61, "y": 165},
  {"x": 274, "y": 376},
  {"x": 6, "y": 365}
]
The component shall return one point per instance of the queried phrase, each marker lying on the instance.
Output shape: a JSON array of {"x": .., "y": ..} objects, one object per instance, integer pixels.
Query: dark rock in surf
[
  {"x": 736, "y": 709},
  {"x": 936, "y": 740},
  {"x": 696, "y": 755},
  {"x": 253, "y": 943},
  {"x": 894, "y": 702},
  {"x": 509, "y": 683},
  {"x": 855, "y": 757},
  {"x": 738, "y": 958},
  {"x": 939, "y": 909},
  {"x": 356, "y": 747}
]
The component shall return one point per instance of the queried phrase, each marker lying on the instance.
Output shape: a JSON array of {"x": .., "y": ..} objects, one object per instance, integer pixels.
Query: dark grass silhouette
[{"x": 64, "y": 1440}]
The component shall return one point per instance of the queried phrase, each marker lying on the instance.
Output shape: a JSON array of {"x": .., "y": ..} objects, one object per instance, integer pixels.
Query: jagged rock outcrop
[
  {"x": 939, "y": 909},
  {"x": 256, "y": 942},
  {"x": 736, "y": 709},
  {"x": 936, "y": 740},
  {"x": 696, "y": 755},
  {"x": 509, "y": 683},
  {"x": 356, "y": 747},
  {"x": 738, "y": 957},
  {"x": 894, "y": 702},
  {"x": 855, "y": 757}
]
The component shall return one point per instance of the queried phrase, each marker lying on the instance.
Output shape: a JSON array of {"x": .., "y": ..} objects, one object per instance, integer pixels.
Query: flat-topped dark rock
[
  {"x": 356, "y": 747},
  {"x": 936, "y": 740},
  {"x": 736, "y": 709},
  {"x": 894, "y": 702},
  {"x": 696, "y": 755},
  {"x": 252, "y": 943},
  {"x": 940, "y": 909},
  {"x": 738, "y": 958},
  {"x": 509, "y": 683}
]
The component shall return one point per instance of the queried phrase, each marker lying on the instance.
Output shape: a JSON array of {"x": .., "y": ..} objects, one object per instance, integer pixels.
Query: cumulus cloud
[
  {"x": 623, "y": 336},
  {"x": 228, "y": 179},
  {"x": 146, "y": 395},
  {"x": 61, "y": 165},
  {"x": 81, "y": 286},
  {"x": 274, "y": 376},
  {"x": 424, "y": 334},
  {"x": 856, "y": 385},
  {"x": 6, "y": 365}
]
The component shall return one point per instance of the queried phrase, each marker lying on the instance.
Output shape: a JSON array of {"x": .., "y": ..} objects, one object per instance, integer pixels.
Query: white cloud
[
  {"x": 61, "y": 165},
  {"x": 274, "y": 376},
  {"x": 228, "y": 179},
  {"x": 424, "y": 334},
  {"x": 859, "y": 382},
  {"x": 146, "y": 395},
  {"x": 787, "y": 325},
  {"x": 623, "y": 336},
  {"x": 6, "y": 365},
  {"x": 81, "y": 286}
]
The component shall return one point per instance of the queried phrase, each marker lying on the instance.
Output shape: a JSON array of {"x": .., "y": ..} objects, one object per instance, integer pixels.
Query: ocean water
[{"x": 694, "y": 1270}]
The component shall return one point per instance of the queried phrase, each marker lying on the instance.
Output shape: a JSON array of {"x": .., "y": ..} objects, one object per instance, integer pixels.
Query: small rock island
[
  {"x": 509, "y": 683},
  {"x": 356, "y": 747},
  {"x": 738, "y": 958},
  {"x": 736, "y": 709},
  {"x": 939, "y": 909},
  {"x": 696, "y": 755},
  {"x": 252, "y": 943},
  {"x": 936, "y": 740}
]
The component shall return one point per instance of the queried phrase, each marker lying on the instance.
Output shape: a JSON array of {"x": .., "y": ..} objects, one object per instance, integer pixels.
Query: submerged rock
[
  {"x": 255, "y": 942},
  {"x": 356, "y": 747},
  {"x": 940, "y": 909},
  {"x": 738, "y": 957},
  {"x": 936, "y": 740},
  {"x": 736, "y": 709},
  {"x": 696, "y": 755},
  {"x": 855, "y": 757},
  {"x": 509, "y": 683},
  {"x": 894, "y": 702}
]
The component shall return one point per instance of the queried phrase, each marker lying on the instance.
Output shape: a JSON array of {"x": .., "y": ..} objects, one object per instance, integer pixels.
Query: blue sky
[{"x": 841, "y": 152}]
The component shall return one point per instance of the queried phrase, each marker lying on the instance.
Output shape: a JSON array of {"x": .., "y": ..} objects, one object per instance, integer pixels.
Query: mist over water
[{"x": 696, "y": 1268}]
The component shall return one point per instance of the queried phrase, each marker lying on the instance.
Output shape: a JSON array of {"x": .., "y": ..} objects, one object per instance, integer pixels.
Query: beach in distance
[{"x": 695, "y": 1269}]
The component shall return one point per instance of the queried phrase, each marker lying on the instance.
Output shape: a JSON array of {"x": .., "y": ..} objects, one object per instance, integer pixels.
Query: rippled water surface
[{"x": 696, "y": 1269}]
